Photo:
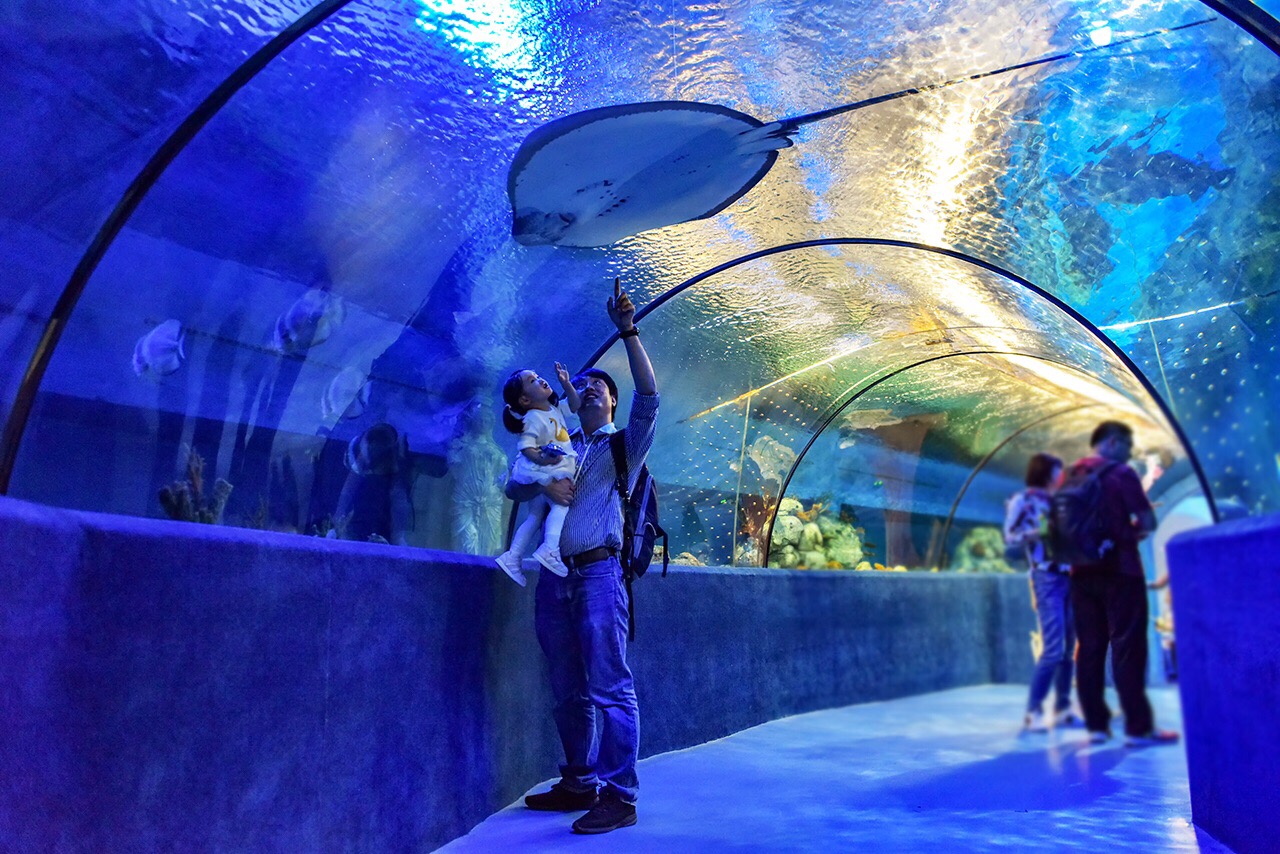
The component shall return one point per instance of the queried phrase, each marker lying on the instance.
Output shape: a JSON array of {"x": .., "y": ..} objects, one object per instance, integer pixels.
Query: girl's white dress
[{"x": 545, "y": 427}]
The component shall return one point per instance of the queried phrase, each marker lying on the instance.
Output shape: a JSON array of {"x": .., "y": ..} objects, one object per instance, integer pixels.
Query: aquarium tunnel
[
  {"x": 268, "y": 265},
  {"x": 251, "y": 233}
]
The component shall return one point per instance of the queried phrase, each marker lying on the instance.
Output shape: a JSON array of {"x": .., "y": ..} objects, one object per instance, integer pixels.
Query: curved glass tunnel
[{"x": 333, "y": 251}]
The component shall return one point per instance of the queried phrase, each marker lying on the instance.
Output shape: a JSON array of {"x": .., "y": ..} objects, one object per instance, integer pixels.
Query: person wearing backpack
[
  {"x": 582, "y": 620},
  {"x": 1026, "y": 528},
  {"x": 1100, "y": 514}
]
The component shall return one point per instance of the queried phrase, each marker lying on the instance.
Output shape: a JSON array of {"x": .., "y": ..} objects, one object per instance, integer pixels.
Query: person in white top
[
  {"x": 1026, "y": 529},
  {"x": 545, "y": 454}
]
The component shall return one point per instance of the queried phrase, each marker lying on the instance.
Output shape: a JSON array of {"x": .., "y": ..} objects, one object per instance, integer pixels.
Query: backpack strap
[{"x": 618, "y": 447}]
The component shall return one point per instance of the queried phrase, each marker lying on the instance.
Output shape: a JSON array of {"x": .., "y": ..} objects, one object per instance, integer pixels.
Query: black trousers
[{"x": 1111, "y": 609}]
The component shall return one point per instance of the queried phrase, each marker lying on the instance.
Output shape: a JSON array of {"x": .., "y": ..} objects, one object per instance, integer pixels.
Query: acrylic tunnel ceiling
[{"x": 255, "y": 231}]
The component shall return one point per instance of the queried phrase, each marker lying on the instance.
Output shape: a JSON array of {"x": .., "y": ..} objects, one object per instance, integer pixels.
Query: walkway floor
[{"x": 940, "y": 772}]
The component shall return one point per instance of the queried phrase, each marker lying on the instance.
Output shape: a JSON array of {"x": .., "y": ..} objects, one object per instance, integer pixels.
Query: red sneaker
[{"x": 1151, "y": 739}]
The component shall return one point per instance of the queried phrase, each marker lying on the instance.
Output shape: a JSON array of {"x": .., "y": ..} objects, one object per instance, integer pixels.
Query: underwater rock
[
  {"x": 981, "y": 550},
  {"x": 828, "y": 527},
  {"x": 811, "y": 538},
  {"x": 786, "y": 531},
  {"x": 815, "y": 559},
  {"x": 845, "y": 549},
  {"x": 785, "y": 558},
  {"x": 789, "y": 507}
]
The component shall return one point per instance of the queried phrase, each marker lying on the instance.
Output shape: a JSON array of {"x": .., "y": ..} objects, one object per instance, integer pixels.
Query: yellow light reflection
[{"x": 747, "y": 395}]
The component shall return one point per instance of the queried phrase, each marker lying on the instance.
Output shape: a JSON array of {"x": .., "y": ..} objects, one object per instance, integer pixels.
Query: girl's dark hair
[
  {"x": 1040, "y": 469},
  {"x": 512, "y": 391}
]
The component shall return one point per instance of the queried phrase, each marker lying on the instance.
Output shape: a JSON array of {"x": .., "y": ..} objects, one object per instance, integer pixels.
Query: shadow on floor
[{"x": 946, "y": 771}]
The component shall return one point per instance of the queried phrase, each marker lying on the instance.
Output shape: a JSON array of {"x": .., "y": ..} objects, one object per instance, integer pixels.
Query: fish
[
  {"x": 346, "y": 396},
  {"x": 595, "y": 177},
  {"x": 1132, "y": 176},
  {"x": 308, "y": 322},
  {"x": 161, "y": 351}
]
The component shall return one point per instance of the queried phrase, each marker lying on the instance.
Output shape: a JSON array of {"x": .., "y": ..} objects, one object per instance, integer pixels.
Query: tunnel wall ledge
[
  {"x": 166, "y": 684},
  {"x": 1226, "y": 602}
]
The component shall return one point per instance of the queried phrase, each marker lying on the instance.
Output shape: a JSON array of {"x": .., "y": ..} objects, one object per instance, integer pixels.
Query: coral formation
[
  {"x": 811, "y": 539},
  {"x": 185, "y": 500},
  {"x": 981, "y": 550}
]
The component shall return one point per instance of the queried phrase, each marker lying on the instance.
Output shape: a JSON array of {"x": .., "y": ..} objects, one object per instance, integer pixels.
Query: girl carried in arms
[{"x": 535, "y": 412}]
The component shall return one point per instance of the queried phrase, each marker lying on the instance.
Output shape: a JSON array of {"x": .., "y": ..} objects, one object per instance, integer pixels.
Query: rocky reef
[
  {"x": 981, "y": 550},
  {"x": 811, "y": 538}
]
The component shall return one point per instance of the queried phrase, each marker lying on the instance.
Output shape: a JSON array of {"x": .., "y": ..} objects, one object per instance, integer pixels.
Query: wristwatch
[{"x": 630, "y": 333}]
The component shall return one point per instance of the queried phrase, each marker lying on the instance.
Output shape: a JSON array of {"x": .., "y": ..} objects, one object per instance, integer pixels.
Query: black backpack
[
  {"x": 640, "y": 527},
  {"x": 1079, "y": 532}
]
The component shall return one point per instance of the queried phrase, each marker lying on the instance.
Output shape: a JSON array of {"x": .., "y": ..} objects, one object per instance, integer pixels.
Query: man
[
  {"x": 1110, "y": 597},
  {"x": 581, "y": 619}
]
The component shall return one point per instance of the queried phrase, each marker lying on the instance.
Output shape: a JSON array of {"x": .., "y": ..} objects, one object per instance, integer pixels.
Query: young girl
[{"x": 535, "y": 412}]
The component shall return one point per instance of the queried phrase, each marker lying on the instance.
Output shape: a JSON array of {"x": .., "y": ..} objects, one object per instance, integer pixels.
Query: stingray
[{"x": 595, "y": 177}]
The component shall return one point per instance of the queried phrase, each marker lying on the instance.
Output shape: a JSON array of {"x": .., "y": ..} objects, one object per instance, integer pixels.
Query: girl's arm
[
  {"x": 535, "y": 456},
  {"x": 570, "y": 393}
]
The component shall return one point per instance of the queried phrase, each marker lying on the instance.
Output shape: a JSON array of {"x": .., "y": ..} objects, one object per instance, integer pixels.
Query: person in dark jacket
[{"x": 1110, "y": 597}]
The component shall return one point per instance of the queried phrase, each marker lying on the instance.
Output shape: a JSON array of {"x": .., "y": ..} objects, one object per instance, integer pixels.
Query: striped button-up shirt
[{"x": 595, "y": 516}]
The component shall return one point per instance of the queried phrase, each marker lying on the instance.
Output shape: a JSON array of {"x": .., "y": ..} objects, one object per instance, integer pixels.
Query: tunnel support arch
[
  {"x": 956, "y": 254},
  {"x": 935, "y": 558}
]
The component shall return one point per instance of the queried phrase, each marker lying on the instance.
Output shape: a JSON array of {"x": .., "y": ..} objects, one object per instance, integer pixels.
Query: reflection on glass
[{"x": 375, "y": 503}]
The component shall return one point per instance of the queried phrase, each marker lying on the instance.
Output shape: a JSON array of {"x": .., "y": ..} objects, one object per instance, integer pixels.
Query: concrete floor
[{"x": 940, "y": 772}]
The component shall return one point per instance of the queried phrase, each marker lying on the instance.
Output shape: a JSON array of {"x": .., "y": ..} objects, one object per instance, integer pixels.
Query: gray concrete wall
[
  {"x": 169, "y": 686},
  {"x": 1226, "y": 606}
]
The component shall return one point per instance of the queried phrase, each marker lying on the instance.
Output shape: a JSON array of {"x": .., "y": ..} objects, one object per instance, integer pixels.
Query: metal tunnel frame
[
  {"x": 853, "y": 398},
  {"x": 1084, "y": 322},
  {"x": 935, "y": 559}
]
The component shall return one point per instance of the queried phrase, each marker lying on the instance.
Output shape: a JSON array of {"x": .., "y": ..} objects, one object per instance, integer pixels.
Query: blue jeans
[
  {"x": 581, "y": 622},
  {"x": 1058, "y": 640}
]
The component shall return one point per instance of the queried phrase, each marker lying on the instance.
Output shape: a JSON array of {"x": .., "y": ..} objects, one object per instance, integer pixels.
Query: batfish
[
  {"x": 346, "y": 396},
  {"x": 309, "y": 321},
  {"x": 161, "y": 351},
  {"x": 595, "y": 177}
]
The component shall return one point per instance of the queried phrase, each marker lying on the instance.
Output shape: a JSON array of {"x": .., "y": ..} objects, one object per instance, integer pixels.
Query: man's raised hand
[{"x": 621, "y": 310}]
